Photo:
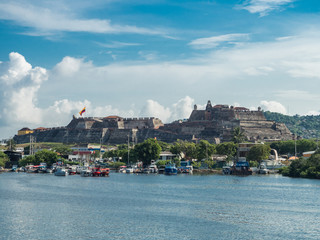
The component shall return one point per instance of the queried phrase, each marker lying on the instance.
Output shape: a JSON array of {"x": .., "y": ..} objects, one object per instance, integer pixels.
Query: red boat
[{"x": 100, "y": 172}]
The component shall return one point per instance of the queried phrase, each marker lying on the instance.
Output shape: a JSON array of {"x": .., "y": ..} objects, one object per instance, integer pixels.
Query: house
[{"x": 24, "y": 131}]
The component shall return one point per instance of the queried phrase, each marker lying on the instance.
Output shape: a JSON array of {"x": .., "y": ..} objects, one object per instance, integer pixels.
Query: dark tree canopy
[{"x": 147, "y": 151}]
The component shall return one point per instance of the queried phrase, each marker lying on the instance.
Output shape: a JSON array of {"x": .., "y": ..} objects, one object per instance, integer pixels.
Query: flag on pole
[{"x": 82, "y": 111}]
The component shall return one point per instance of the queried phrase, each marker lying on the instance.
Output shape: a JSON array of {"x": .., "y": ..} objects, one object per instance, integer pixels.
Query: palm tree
[{"x": 238, "y": 137}]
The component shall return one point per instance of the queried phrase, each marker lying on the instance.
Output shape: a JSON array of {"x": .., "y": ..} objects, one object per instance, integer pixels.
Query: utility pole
[
  {"x": 31, "y": 151},
  {"x": 128, "y": 148}
]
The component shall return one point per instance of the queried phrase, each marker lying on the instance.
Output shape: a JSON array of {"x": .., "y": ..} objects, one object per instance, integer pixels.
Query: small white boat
[
  {"x": 86, "y": 173},
  {"x": 129, "y": 170},
  {"x": 61, "y": 172}
]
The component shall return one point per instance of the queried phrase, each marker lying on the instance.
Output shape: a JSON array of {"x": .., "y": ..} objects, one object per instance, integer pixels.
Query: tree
[
  {"x": 148, "y": 150},
  {"x": 62, "y": 149},
  {"x": 184, "y": 149},
  {"x": 117, "y": 165},
  {"x": 46, "y": 156},
  {"x": 3, "y": 159},
  {"x": 259, "y": 152},
  {"x": 164, "y": 146},
  {"x": 95, "y": 154},
  {"x": 238, "y": 135},
  {"x": 29, "y": 160},
  {"x": 227, "y": 148},
  {"x": 204, "y": 150}
]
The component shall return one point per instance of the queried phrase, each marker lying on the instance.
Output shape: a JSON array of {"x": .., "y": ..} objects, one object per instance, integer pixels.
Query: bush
[{"x": 117, "y": 165}]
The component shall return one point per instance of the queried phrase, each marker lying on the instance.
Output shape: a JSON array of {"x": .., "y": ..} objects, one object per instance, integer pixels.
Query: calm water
[{"x": 36, "y": 206}]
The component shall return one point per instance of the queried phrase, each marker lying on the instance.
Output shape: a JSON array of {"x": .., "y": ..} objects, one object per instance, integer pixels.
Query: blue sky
[{"x": 155, "y": 58}]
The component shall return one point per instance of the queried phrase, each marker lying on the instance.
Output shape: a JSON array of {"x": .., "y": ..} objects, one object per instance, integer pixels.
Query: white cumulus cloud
[{"x": 273, "y": 106}]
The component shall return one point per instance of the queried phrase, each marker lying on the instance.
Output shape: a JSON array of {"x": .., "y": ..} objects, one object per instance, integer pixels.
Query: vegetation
[
  {"x": 43, "y": 156},
  {"x": 238, "y": 135},
  {"x": 205, "y": 150},
  {"x": 62, "y": 149},
  {"x": 147, "y": 151},
  {"x": 3, "y": 159},
  {"x": 305, "y": 168},
  {"x": 288, "y": 147},
  {"x": 117, "y": 165},
  {"x": 184, "y": 149},
  {"x": 305, "y": 126},
  {"x": 259, "y": 152},
  {"x": 227, "y": 148}
]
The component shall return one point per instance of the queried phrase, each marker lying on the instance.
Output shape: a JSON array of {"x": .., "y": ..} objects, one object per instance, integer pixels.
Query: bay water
[{"x": 129, "y": 206}]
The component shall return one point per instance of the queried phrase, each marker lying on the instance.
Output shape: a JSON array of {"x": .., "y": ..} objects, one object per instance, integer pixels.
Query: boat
[
  {"x": 226, "y": 170},
  {"x": 61, "y": 172},
  {"x": 100, "y": 172},
  {"x": 129, "y": 170},
  {"x": 14, "y": 168},
  {"x": 161, "y": 169},
  {"x": 153, "y": 167},
  {"x": 42, "y": 169},
  {"x": 122, "y": 169},
  {"x": 263, "y": 169},
  {"x": 146, "y": 171},
  {"x": 170, "y": 169},
  {"x": 241, "y": 168},
  {"x": 72, "y": 170},
  {"x": 185, "y": 167},
  {"x": 85, "y": 173},
  {"x": 31, "y": 169}
]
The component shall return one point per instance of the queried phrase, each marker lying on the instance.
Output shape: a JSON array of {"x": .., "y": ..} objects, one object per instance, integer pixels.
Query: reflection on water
[{"x": 122, "y": 206}]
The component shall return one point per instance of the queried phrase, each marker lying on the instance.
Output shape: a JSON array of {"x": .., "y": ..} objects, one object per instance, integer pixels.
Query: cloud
[
  {"x": 212, "y": 42},
  {"x": 297, "y": 95},
  {"x": 313, "y": 112},
  {"x": 273, "y": 106},
  {"x": 20, "y": 84},
  {"x": 153, "y": 108},
  {"x": 17, "y": 69},
  {"x": 116, "y": 44},
  {"x": 69, "y": 66},
  {"x": 46, "y": 20},
  {"x": 182, "y": 109},
  {"x": 263, "y": 7}
]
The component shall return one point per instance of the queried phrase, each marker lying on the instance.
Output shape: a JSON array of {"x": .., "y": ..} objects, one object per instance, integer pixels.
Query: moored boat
[
  {"x": 61, "y": 172},
  {"x": 170, "y": 169}
]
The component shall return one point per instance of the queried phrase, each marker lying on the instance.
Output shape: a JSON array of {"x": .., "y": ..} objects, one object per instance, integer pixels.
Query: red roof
[{"x": 241, "y": 108}]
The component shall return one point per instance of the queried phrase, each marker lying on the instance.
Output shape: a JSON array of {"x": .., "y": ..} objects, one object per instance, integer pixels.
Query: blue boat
[{"x": 170, "y": 169}]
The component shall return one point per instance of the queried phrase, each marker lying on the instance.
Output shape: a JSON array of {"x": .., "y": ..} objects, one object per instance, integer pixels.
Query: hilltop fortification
[{"x": 214, "y": 123}]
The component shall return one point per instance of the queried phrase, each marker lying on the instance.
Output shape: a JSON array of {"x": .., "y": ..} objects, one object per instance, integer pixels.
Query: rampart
[{"x": 215, "y": 124}]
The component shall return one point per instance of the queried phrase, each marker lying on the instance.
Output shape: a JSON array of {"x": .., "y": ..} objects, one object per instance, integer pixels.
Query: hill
[{"x": 304, "y": 126}]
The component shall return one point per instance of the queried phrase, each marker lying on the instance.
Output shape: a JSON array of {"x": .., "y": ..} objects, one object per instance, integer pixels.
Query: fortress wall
[
  {"x": 119, "y": 136},
  {"x": 257, "y": 124},
  {"x": 161, "y": 135},
  {"x": 197, "y": 115},
  {"x": 249, "y": 115},
  {"x": 88, "y": 124},
  {"x": 222, "y": 114},
  {"x": 140, "y": 123}
]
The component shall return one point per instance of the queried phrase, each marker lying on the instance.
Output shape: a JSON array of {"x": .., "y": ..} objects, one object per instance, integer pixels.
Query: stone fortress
[{"x": 214, "y": 123}]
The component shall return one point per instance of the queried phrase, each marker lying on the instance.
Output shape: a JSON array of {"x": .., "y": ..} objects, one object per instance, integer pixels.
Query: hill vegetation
[{"x": 303, "y": 126}]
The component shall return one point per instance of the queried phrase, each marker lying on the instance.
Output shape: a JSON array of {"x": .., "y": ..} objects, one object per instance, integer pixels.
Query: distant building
[
  {"x": 306, "y": 155},
  {"x": 14, "y": 157},
  {"x": 24, "y": 131}
]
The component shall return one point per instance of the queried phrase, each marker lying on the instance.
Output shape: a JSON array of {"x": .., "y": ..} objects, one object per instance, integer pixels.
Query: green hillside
[{"x": 304, "y": 126}]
